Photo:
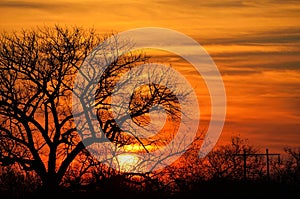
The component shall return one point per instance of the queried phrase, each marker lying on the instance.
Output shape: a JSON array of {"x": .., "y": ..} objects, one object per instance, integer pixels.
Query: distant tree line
[{"x": 221, "y": 167}]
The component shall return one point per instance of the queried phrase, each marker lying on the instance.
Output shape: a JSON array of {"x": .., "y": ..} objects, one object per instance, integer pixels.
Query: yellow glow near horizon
[
  {"x": 127, "y": 162},
  {"x": 139, "y": 148}
]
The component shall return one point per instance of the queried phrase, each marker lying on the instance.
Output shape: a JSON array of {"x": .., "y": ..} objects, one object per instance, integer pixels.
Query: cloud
[
  {"x": 260, "y": 37},
  {"x": 57, "y": 7},
  {"x": 211, "y": 3},
  {"x": 260, "y": 50},
  {"x": 26, "y": 4},
  {"x": 239, "y": 72}
]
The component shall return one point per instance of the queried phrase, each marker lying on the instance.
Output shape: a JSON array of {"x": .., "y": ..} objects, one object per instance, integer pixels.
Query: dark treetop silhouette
[{"x": 37, "y": 69}]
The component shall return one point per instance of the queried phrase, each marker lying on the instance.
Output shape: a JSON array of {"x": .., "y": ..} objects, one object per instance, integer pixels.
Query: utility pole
[
  {"x": 245, "y": 165},
  {"x": 268, "y": 165},
  {"x": 267, "y": 154}
]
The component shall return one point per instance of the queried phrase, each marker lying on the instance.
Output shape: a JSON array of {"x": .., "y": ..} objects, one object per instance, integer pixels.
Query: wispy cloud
[
  {"x": 277, "y": 35},
  {"x": 28, "y": 4},
  {"x": 52, "y": 6}
]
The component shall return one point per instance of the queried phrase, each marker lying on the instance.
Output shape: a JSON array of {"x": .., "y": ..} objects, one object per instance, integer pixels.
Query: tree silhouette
[
  {"x": 37, "y": 71},
  {"x": 37, "y": 68},
  {"x": 291, "y": 171},
  {"x": 227, "y": 162}
]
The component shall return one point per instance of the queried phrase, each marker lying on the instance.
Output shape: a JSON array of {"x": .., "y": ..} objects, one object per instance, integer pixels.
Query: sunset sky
[{"x": 255, "y": 44}]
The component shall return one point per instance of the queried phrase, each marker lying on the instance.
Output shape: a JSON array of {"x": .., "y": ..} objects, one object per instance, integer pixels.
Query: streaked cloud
[{"x": 48, "y": 6}]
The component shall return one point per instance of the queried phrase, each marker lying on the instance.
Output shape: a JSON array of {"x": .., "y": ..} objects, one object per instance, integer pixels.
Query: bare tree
[
  {"x": 292, "y": 165},
  {"x": 37, "y": 71},
  {"x": 226, "y": 162}
]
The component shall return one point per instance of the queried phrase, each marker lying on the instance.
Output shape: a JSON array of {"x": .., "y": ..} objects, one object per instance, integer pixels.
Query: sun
[{"x": 128, "y": 162}]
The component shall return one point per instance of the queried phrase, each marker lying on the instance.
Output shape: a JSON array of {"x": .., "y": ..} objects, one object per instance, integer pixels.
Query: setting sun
[{"x": 127, "y": 162}]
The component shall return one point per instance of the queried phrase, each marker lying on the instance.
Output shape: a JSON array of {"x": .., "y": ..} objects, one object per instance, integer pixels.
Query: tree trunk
[{"x": 51, "y": 184}]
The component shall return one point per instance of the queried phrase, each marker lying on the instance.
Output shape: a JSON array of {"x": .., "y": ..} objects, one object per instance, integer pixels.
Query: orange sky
[{"x": 255, "y": 44}]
